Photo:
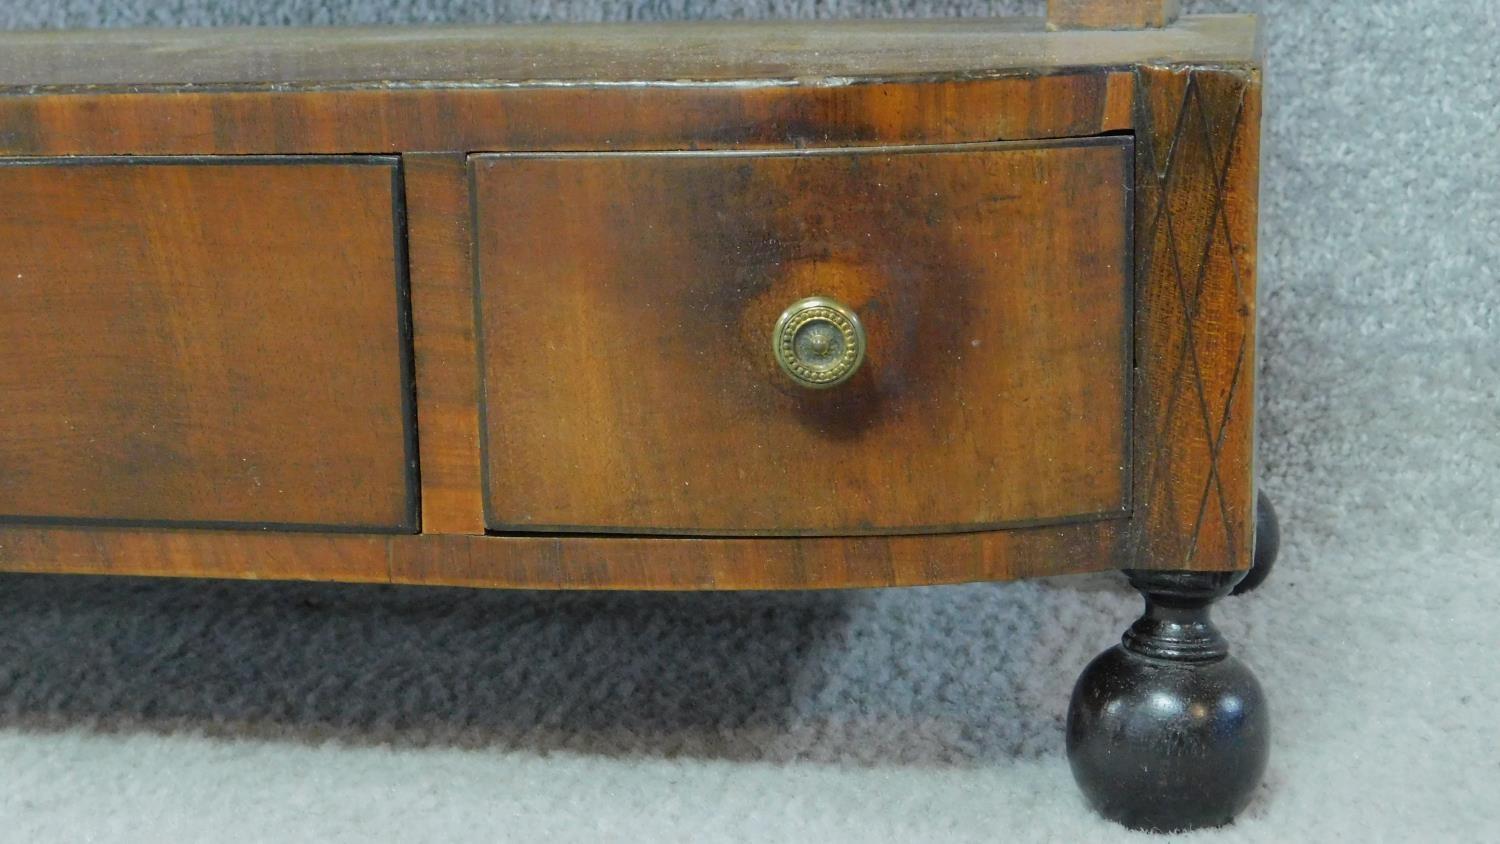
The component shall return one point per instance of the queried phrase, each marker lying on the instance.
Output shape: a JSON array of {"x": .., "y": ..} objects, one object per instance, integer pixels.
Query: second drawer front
[{"x": 627, "y": 302}]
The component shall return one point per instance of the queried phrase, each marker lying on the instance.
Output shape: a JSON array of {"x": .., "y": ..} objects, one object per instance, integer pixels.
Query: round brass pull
[{"x": 818, "y": 342}]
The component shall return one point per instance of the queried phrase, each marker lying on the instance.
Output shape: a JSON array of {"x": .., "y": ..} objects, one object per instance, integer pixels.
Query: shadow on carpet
[{"x": 951, "y": 676}]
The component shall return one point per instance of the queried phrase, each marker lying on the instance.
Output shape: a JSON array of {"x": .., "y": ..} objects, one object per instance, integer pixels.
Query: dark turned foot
[
  {"x": 1166, "y": 731},
  {"x": 1267, "y": 545}
]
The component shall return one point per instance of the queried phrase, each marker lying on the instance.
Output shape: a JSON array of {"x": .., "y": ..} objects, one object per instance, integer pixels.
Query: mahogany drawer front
[
  {"x": 205, "y": 342},
  {"x": 626, "y": 303}
]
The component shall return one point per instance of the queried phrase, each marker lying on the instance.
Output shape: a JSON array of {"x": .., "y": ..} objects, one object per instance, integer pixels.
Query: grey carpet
[{"x": 176, "y": 711}]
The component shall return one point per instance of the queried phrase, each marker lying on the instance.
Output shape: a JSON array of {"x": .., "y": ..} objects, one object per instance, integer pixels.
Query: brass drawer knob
[{"x": 818, "y": 342}]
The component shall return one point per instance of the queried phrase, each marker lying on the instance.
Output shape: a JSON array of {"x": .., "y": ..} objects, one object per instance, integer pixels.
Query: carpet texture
[{"x": 179, "y": 711}]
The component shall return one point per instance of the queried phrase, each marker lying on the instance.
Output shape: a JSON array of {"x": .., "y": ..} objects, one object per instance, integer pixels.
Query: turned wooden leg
[
  {"x": 1167, "y": 731},
  {"x": 1267, "y": 545}
]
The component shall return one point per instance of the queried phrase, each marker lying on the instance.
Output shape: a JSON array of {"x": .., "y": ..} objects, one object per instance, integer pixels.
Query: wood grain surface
[
  {"x": 204, "y": 342},
  {"x": 442, "y": 292},
  {"x": 627, "y": 304},
  {"x": 1110, "y": 14},
  {"x": 1197, "y": 164},
  {"x": 627, "y": 117},
  {"x": 196, "y": 347},
  {"x": 543, "y": 562},
  {"x": 718, "y": 86}
]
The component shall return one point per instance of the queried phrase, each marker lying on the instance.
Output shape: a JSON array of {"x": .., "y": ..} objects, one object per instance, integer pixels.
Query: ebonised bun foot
[{"x": 1166, "y": 731}]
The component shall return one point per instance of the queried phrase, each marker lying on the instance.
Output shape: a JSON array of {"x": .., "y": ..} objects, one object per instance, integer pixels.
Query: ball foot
[{"x": 1166, "y": 731}]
